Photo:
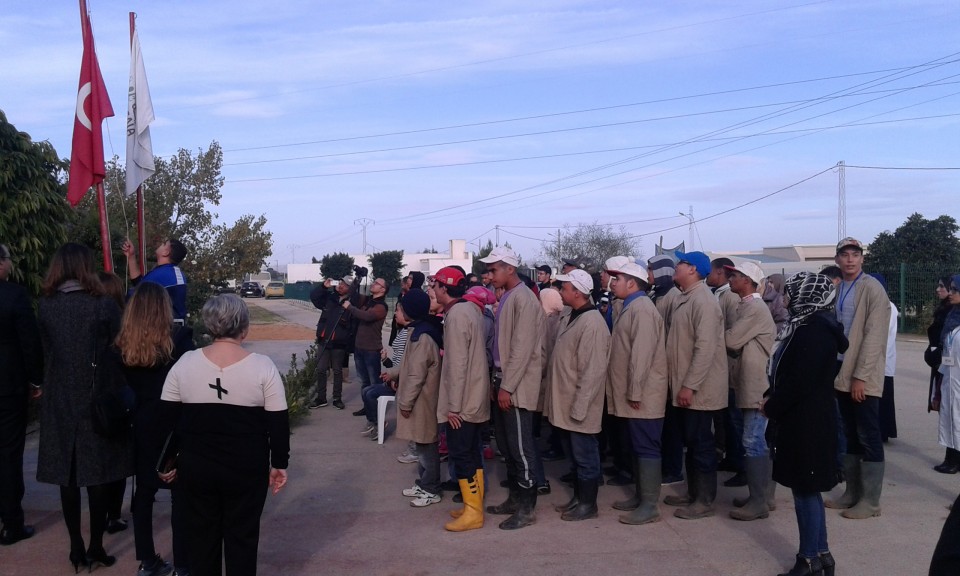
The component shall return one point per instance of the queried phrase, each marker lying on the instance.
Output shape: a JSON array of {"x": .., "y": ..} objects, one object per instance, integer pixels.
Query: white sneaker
[
  {"x": 425, "y": 499},
  {"x": 368, "y": 428},
  {"x": 414, "y": 492},
  {"x": 408, "y": 458}
]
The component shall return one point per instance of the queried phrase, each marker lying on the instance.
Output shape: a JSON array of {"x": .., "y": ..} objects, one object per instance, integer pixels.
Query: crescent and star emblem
[{"x": 82, "y": 96}]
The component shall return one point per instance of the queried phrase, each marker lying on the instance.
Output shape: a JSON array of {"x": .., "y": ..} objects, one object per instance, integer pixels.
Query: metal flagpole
[{"x": 141, "y": 237}]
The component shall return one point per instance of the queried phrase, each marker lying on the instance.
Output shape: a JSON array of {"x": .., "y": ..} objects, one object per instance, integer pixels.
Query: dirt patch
[{"x": 280, "y": 331}]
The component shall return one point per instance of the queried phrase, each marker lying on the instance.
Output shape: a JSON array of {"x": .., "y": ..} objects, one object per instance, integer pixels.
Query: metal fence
[{"x": 912, "y": 288}]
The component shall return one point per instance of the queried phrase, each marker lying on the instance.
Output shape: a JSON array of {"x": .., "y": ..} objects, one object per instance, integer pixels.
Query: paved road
[{"x": 342, "y": 513}]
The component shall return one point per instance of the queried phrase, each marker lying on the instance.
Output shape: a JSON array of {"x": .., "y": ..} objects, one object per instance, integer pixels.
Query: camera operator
[
  {"x": 334, "y": 335},
  {"x": 369, "y": 316}
]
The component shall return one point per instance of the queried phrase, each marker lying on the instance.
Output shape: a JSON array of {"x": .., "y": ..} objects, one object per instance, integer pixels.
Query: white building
[
  {"x": 787, "y": 260},
  {"x": 427, "y": 263}
]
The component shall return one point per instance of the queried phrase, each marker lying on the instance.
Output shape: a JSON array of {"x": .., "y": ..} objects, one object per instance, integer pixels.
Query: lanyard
[{"x": 843, "y": 295}]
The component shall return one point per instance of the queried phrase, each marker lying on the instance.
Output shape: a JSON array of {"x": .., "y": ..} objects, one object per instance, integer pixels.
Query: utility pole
[
  {"x": 842, "y": 203},
  {"x": 293, "y": 253},
  {"x": 498, "y": 234},
  {"x": 363, "y": 223},
  {"x": 689, "y": 215}
]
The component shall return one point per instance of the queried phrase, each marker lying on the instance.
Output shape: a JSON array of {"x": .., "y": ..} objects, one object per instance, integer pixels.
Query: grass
[{"x": 260, "y": 315}]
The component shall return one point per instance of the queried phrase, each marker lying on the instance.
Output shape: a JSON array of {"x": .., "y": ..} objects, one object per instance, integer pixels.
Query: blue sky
[{"x": 442, "y": 120}]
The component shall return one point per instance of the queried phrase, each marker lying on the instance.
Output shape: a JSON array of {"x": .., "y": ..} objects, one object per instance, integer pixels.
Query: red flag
[{"x": 93, "y": 105}]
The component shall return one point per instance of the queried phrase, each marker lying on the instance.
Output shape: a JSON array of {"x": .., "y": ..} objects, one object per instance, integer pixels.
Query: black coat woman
[
  {"x": 801, "y": 405},
  {"x": 77, "y": 323}
]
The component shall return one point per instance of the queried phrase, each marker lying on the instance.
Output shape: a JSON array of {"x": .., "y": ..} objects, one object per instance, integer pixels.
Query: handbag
[{"x": 110, "y": 409}]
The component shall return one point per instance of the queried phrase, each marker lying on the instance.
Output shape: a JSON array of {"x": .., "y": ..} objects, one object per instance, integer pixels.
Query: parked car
[
  {"x": 274, "y": 290},
  {"x": 251, "y": 290}
]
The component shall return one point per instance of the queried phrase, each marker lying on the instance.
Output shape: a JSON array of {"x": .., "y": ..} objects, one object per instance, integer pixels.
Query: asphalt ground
[{"x": 342, "y": 511}]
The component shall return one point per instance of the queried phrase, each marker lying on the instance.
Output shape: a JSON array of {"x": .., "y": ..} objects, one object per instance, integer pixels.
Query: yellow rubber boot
[
  {"x": 479, "y": 476},
  {"x": 472, "y": 516}
]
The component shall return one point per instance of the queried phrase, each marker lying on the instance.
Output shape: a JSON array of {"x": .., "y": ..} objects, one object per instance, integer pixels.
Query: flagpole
[
  {"x": 101, "y": 195},
  {"x": 141, "y": 238}
]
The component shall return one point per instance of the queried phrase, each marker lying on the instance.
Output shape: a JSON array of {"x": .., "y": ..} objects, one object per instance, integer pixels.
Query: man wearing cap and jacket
[
  {"x": 864, "y": 310},
  {"x": 574, "y": 400},
  {"x": 517, "y": 359},
  {"x": 749, "y": 343},
  {"x": 464, "y": 403},
  {"x": 333, "y": 337},
  {"x": 637, "y": 387},
  {"x": 697, "y": 365}
]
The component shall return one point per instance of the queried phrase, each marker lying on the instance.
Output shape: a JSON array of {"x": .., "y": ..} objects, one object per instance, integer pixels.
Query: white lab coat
[{"x": 950, "y": 394}]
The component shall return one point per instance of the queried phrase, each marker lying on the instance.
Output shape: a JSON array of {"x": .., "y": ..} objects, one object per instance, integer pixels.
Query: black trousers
[
  {"x": 462, "y": 445},
  {"x": 223, "y": 508},
  {"x": 515, "y": 440},
  {"x": 13, "y": 429}
]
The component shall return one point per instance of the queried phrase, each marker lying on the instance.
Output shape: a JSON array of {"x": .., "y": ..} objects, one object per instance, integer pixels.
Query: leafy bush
[{"x": 298, "y": 382}]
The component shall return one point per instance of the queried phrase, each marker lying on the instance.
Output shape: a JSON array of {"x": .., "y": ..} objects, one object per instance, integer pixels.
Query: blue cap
[{"x": 698, "y": 260}]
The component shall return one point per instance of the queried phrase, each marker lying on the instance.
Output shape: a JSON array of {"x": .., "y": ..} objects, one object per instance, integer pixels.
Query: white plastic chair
[{"x": 382, "y": 403}]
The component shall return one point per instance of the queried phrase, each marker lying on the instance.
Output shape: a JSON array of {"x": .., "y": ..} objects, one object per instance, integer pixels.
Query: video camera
[{"x": 360, "y": 271}]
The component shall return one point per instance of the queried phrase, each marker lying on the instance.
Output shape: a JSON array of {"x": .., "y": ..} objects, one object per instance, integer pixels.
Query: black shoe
[
  {"x": 360, "y": 412},
  {"x": 10, "y": 536},
  {"x": 78, "y": 558},
  {"x": 155, "y": 567},
  {"x": 99, "y": 558},
  {"x": 544, "y": 489},
  {"x": 947, "y": 468},
  {"x": 115, "y": 525},
  {"x": 338, "y": 404},
  {"x": 552, "y": 456},
  {"x": 317, "y": 403},
  {"x": 737, "y": 480}
]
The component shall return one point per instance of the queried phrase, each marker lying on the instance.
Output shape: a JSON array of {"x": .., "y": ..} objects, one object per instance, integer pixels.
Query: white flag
[{"x": 140, "y": 164}]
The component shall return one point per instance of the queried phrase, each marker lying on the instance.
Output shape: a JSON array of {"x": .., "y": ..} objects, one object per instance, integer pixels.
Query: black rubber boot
[
  {"x": 633, "y": 501},
  {"x": 574, "y": 501},
  {"x": 587, "y": 508},
  {"x": 509, "y": 506},
  {"x": 525, "y": 515}
]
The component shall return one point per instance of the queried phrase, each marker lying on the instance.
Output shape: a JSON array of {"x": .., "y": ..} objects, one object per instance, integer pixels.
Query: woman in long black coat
[
  {"x": 932, "y": 356},
  {"x": 801, "y": 407},
  {"x": 77, "y": 322}
]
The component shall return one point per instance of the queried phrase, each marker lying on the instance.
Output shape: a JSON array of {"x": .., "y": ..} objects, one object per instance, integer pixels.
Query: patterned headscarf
[{"x": 808, "y": 293}]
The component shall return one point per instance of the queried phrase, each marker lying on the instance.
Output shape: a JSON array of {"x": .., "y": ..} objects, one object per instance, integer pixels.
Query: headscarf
[
  {"x": 663, "y": 267},
  {"x": 480, "y": 296},
  {"x": 808, "y": 293},
  {"x": 551, "y": 301},
  {"x": 953, "y": 317}
]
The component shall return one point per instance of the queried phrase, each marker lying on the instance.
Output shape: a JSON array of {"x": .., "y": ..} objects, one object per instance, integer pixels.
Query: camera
[{"x": 360, "y": 271}]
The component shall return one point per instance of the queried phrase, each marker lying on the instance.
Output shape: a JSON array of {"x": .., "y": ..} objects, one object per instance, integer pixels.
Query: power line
[
  {"x": 905, "y": 167},
  {"x": 573, "y": 112},
  {"x": 861, "y": 86},
  {"x": 588, "y": 152},
  {"x": 562, "y": 130}
]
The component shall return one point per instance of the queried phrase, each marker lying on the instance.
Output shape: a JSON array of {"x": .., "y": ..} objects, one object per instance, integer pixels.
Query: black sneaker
[
  {"x": 544, "y": 489},
  {"x": 338, "y": 404},
  {"x": 317, "y": 403},
  {"x": 10, "y": 536},
  {"x": 361, "y": 412}
]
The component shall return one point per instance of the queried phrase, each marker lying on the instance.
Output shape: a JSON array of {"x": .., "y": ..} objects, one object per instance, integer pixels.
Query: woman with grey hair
[{"x": 228, "y": 411}]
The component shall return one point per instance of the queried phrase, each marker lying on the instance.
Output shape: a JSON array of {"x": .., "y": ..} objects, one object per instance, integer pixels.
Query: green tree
[
  {"x": 593, "y": 243},
  {"x": 33, "y": 206},
  {"x": 336, "y": 265},
  {"x": 911, "y": 258},
  {"x": 178, "y": 202},
  {"x": 478, "y": 266},
  {"x": 387, "y": 265}
]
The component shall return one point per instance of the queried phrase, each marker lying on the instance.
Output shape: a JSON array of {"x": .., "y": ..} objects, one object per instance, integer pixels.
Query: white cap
[
  {"x": 581, "y": 280},
  {"x": 635, "y": 269},
  {"x": 615, "y": 263},
  {"x": 749, "y": 269},
  {"x": 502, "y": 254}
]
